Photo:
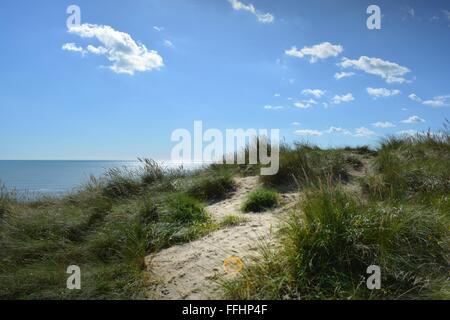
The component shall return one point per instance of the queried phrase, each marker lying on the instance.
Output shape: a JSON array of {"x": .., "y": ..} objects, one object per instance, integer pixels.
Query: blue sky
[{"x": 231, "y": 64}]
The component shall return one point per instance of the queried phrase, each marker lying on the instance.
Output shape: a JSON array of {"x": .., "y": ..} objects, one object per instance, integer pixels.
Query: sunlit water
[{"x": 30, "y": 179}]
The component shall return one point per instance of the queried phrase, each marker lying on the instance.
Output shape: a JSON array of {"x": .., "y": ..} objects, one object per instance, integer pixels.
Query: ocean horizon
[{"x": 33, "y": 178}]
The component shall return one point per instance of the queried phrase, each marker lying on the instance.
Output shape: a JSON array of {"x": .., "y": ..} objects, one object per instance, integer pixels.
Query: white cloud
[
  {"x": 305, "y": 104},
  {"x": 341, "y": 75},
  {"x": 385, "y": 124},
  {"x": 414, "y": 97},
  {"x": 306, "y": 132},
  {"x": 277, "y": 95},
  {"x": 262, "y": 17},
  {"x": 436, "y": 102},
  {"x": 342, "y": 99},
  {"x": 270, "y": 107},
  {"x": 413, "y": 119},
  {"x": 295, "y": 123},
  {"x": 382, "y": 92},
  {"x": 159, "y": 29},
  {"x": 358, "y": 133},
  {"x": 364, "y": 133},
  {"x": 446, "y": 14},
  {"x": 389, "y": 71},
  {"x": 120, "y": 49},
  {"x": 338, "y": 130},
  {"x": 320, "y": 51},
  {"x": 73, "y": 47},
  {"x": 314, "y": 92},
  {"x": 169, "y": 44},
  {"x": 96, "y": 50},
  {"x": 408, "y": 132}
]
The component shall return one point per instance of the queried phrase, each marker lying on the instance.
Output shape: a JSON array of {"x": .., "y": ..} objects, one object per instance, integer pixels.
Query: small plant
[
  {"x": 212, "y": 186},
  {"x": 152, "y": 171},
  {"x": 354, "y": 161},
  {"x": 261, "y": 200},
  {"x": 119, "y": 184},
  {"x": 184, "y": 209},
  {"x": 232, "y": 220}
]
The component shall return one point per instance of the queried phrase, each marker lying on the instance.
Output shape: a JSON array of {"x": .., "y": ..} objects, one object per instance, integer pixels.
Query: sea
[{"x": 32, "y": 179}]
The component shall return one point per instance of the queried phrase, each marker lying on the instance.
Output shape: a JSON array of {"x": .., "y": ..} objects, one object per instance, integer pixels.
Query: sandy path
[{"x": 189, "y": 271}]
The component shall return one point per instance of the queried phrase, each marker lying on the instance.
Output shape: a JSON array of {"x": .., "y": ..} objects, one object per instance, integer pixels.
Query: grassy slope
[
  {"x": 400, "y": 223},
  {"x": 107, "y": 229}
]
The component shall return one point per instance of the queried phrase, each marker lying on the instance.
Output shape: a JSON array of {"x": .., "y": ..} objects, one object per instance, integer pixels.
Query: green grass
[
  {"x": 399, "y": 223},
  {"x": 261, "y": 200},
  {"x": 232, "y": 220},
  {"x": 211, "y": 185},
  {"x": 331, "y": 238},
  {"x": 107, "y": 228},
  {"x": 411, "y": 168},
  {"x": 302, "y": 165}
]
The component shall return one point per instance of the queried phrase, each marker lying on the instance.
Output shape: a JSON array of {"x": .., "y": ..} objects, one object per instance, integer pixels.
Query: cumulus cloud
[
  {"x": 343, "y": 74},
  {"x": 413, "y": 119},
  {"x": 364, "y": 133},
  {"x": 73, "y": 47},
  {"x": 313, "y": 92},
  {"x": 436, "y": 102},
  {"x": 408, "y": 133},
  {"x": 446, "y": 14},
  {"x": 385, "y": 124},
  {"x": 382, "y": 92},
  {"x": 126, "y": 56},
  {"x": 338, "y": 130},
  {"x": 342, "y": 99},
  {"x": 306, "y": 132},
  {"x": 305, "y": 104},
  {"x": 270, "y": 107},
  {"x": 320, "y": 51},
  {"x": 169, "y": 44},
  {"x": 357, "y": 133},
  {"x": 96, "y": 50},
  {"x": 389, "y": 71},
  {"x": 262, "y": 17}
]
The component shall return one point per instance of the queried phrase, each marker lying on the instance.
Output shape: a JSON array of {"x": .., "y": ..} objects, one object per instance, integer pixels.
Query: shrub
[
  {"x": 120, "y": 184},
  {"x": 294, "y": 168},
  {"x": 5, "y": 200},
  {"x": 4, "y": 207},
  {"x": 152, "y": 171},
  {"x": 304, "y": 165},
  {"x": 354, "y": 162},
  {"x": 211, "y": 186},
  {"x": 260, "y": 200},
  {"x": 184, "y": 209},
  {"x": 411, "y": 168}
]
